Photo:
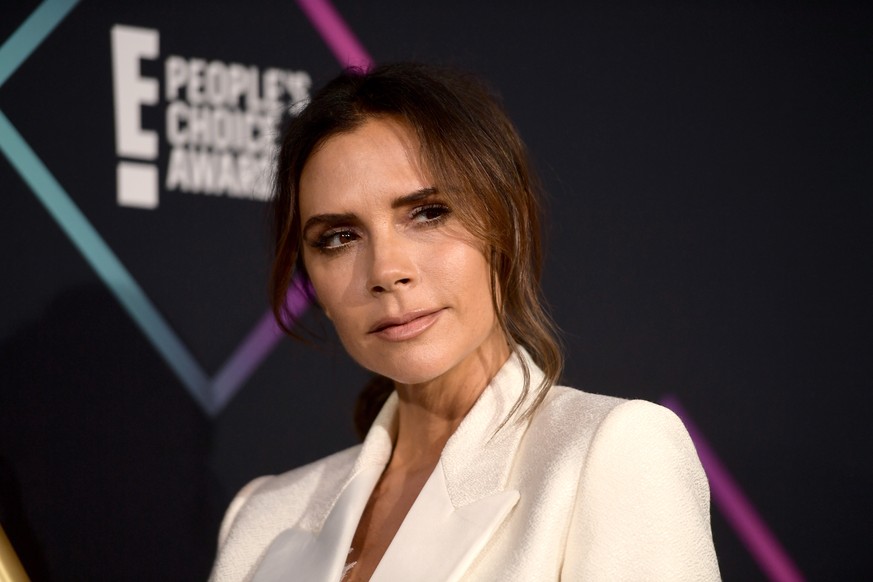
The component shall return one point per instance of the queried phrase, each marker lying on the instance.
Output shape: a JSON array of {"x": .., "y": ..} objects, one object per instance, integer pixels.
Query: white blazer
[{"x": 591, "y": 488}]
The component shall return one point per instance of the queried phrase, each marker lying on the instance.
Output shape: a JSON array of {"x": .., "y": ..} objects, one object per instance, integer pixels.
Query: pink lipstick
[{"x": 407, "y": 326}]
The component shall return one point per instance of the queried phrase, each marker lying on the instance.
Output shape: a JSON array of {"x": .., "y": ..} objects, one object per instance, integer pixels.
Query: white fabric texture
[{"x": 590, "y": 488}]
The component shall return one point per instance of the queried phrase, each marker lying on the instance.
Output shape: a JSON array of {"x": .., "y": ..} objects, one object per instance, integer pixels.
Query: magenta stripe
[
  {"x": 254, "y": 349},
  {"x": 335, "y": 33},
  {"x": 730, "y": 500}
]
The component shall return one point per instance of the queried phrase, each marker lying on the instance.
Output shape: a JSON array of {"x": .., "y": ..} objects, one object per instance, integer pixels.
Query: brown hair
[{"x": 476, "y": 159}]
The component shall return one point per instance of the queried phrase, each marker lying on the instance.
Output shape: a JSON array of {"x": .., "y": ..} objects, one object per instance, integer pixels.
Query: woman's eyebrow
[
  {"x": 414, "y": 197},
  {"x": 327, "y": 219}
]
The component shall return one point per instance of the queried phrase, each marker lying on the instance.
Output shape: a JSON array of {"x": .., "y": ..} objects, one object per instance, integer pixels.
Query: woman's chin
[
  {"x": 406, "y": 376},
  {"x": 409, "y": 369}
]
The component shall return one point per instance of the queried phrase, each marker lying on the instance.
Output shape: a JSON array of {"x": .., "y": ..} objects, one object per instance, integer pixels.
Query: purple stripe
[
  {"x": 335, "y": 33},
  {"x": 254, "y": 349},
  {"x": 730, "y": 500}
]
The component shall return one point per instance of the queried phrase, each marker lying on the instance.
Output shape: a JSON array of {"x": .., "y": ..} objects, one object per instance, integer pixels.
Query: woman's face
[{"x": 405, "y": 284}]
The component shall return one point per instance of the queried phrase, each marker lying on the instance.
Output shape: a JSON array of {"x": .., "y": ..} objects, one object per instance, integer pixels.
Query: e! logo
[{"x": 137, "y": 181}]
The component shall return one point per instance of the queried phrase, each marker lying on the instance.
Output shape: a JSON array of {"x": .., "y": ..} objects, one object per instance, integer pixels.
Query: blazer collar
[{"x": 458, "y": 510}]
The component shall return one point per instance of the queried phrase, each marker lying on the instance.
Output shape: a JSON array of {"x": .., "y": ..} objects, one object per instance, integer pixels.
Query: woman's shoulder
[
  {"x": 621, "y": 438},
  {"x": 647, "y": 497}
]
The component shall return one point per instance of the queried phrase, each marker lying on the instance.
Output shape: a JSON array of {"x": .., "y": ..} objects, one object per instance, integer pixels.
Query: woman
[{"x": 404, "y": 196}]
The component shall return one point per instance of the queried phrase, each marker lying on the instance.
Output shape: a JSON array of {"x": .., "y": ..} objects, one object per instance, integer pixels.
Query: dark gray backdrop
[{"x": 709, "y": 179}]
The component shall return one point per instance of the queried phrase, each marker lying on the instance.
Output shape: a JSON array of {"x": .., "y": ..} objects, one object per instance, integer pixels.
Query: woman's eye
[
  {"x": 430, "y": 213},
  {"x": 333, "y": 240}
]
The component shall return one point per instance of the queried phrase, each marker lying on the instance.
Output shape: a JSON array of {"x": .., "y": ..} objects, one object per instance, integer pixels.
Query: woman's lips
[{"x": 409, "y": 329}]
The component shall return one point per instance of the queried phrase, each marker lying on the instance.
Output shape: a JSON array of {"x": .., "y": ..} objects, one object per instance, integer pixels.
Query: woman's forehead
[{"x": 377, "y": 159}]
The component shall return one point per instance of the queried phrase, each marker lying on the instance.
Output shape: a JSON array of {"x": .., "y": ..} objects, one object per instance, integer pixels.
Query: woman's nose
[{"x": 392, "y": 266}]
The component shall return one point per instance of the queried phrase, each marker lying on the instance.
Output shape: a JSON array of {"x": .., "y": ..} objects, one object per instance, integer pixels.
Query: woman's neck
[{"x": 429, "y": 413}]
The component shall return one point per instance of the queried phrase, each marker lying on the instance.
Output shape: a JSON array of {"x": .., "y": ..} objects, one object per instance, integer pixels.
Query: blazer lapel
[{"x": 438, "y": 542}]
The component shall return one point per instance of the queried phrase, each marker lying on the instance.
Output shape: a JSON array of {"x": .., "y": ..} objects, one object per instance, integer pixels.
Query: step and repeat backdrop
[{"x": 708, "y": 178}]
